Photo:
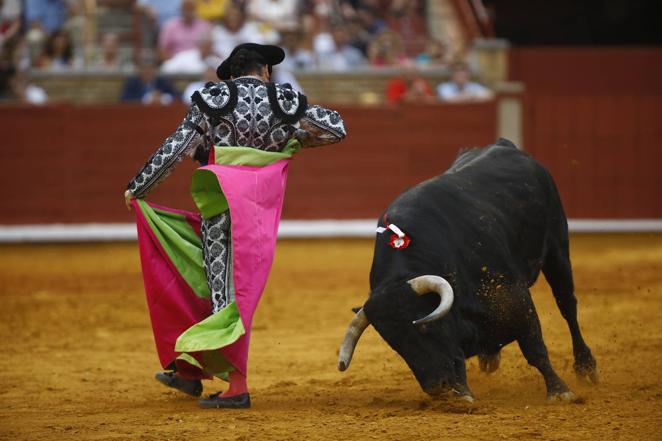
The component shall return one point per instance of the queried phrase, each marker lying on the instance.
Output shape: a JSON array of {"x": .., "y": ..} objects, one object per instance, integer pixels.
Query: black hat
[{"x": 272, "y": 54}]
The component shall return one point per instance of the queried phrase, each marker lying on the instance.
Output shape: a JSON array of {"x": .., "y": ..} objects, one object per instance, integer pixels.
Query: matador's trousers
[{"x": 217, "y": 252}]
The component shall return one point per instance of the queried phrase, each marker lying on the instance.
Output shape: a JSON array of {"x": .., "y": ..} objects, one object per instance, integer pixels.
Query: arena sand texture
[{"x": 78, "y": 356}]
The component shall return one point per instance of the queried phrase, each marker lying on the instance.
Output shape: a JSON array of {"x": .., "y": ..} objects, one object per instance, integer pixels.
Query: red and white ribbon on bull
[{"x": 399, "y": 240}]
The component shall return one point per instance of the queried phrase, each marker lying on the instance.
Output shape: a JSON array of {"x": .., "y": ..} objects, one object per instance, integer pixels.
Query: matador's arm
[
  {"x": 184, "y": 141},
  {"x": 320, "y": 126}
]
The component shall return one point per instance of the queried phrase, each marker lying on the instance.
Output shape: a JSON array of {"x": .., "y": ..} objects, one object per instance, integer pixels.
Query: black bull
[{"x": 480, "y": 235}]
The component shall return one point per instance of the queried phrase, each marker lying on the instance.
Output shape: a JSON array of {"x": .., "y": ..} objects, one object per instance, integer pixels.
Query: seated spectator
[
  {"x": 435, "y": 54},
  {"x": 10, "y": 37},
  {"x": 81, "y": 27},
  {"x": 211, "y": 10},
  {"x": 321, "y": 9},
  {"x": 370, "y": 25},
  {"x": 108, "y": 58},
  {"x": 410, "y": 87},
  {"x": 193, "y": 61},
  {"x": 279, "y": 14},
  {"x": 460, "y": 89},
  {"x": 208, "y": 75},
  {"x": 148, "y": 87},
  {"x": 381, "y": 6},
  {"x": 386, "y": 49},
  {"x": 182, "y": 33},
  {"x": 26, "y": 92},
  {"x": 334, "y": 52},
  {"x": 159, "y": 11},
  {"x": 17, "y": 53},
  {"x": 57, "y": 54},
  {"x": 407, "y": 19},
  {"x": 16, "y": 87},
  {"x": 297, "y": 56},
  {"x": 235, "y": 30},
  {"x": 152, "y": 15},
  {"x": 282, "y": 75},
  {"x": 10, "y": 24},
  {"x": 43, "y": 18},
  {"x": 46, "y": 16}
]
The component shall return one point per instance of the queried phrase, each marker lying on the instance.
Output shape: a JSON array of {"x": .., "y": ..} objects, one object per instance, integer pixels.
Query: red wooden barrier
[
  {"x": 593, "y": 117},
  {"x": 71, "y": 164}
]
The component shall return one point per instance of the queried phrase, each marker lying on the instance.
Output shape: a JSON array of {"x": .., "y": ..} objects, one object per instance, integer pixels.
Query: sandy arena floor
[{"x": 78, "y": 356}]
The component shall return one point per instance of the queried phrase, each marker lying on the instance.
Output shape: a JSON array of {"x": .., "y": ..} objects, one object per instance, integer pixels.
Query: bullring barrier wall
[
  {"x": 70, "y": 164},
  {"x": 592, "y": 115}
]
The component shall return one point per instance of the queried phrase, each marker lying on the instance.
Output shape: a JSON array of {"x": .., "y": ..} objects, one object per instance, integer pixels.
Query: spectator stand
[{"x": 338, "y": 51}]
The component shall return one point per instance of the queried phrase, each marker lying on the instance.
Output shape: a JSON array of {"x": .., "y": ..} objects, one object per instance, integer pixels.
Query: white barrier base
[
  {"x": 119, "y": 232},
  {"x": 615, "y": 226},
  {"x": 301, "y": 229}
]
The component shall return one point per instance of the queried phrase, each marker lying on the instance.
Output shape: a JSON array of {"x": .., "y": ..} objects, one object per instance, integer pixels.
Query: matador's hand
[{"x": 128, "y": 197}]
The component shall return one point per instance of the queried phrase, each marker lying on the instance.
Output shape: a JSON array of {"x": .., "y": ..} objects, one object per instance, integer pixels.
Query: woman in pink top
[{"x": 183, "y": 32}]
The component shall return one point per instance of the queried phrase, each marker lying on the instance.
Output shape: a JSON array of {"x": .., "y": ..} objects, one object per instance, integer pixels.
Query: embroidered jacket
[{"x": 243, "y": 112}]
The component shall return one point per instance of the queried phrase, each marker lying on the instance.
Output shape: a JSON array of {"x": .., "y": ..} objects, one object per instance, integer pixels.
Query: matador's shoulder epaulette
[
  {"x": 286, "y": 102},
  {"x": 216, "y": 99}
]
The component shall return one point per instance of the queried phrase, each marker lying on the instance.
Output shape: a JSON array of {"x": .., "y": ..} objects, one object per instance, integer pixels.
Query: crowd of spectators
[
  {"x": 193, "y": 36},
  {"x": 411, "y": 87}
]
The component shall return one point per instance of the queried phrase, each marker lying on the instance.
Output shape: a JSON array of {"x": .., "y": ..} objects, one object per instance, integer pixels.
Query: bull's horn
[
  {"x": 425, "y": 284},
  {"x": 352, "y": 335}
]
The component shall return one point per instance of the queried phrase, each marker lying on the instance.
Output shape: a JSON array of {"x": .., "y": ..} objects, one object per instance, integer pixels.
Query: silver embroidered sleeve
[
  {"x": 184, "y": 141},
  {"x": 320, "y": 126}
]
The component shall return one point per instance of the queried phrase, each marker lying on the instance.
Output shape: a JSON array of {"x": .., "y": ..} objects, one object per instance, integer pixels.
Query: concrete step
[{"x": 114, "y": 20}]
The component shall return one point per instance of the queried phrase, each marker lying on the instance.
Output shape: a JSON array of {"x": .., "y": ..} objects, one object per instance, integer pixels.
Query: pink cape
[
  {"x": 173, "y": 306},
  {"x": 255, "y": 197}
]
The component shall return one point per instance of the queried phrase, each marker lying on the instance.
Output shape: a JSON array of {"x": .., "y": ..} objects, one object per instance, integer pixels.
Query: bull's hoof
[
  {"x": 444, "y": 391},
  {"x": 454, "y": 394},
  {"x": 561, "y": 397},
  {"x": 594, "y": 376},
  {"x": 462, "y": 393},
  {"x": 467, "y": 398},
  {"x": 437, "y": 390},
  {"x": 587, "y": 372},
  {"x": 489, "y": 362}
]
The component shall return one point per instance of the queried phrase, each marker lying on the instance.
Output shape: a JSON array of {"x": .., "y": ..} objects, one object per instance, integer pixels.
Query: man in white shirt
[
  {"x": 235, "y": 30},
  {"x": 193, "y": 61},
  {"x": 279, "y": 14},
  {"x": 334, "y": 51},
  {"x": 460, "y": 89}
]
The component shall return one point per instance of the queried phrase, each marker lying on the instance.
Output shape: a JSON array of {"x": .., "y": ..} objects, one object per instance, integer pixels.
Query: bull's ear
[{"x": 356, "y": 309}]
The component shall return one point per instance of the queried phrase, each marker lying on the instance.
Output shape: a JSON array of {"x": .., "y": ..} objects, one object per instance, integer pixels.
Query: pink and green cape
[{"x": 250, "y": 183}]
